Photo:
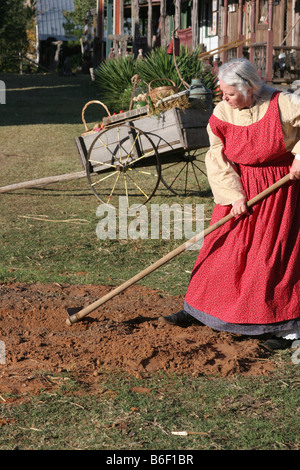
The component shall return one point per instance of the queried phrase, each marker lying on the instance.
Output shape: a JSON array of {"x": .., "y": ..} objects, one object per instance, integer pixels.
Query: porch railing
[
  {"x": 230, "y": 48},
  {"x": 286, "y": 59}
]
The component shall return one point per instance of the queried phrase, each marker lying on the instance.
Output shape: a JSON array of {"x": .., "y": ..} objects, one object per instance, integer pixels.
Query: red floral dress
[{"x": 248, "y": 270}]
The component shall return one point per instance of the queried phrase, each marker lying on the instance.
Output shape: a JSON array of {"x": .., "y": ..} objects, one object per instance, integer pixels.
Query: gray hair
[{"x": 241, "y": 74}]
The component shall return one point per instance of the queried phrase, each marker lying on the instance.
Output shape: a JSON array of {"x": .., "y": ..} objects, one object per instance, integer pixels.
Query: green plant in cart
[
  {"x": 159, "y": 64},
  {"x": 113, "y": 79},
  {"x": 114, "y": 76}
]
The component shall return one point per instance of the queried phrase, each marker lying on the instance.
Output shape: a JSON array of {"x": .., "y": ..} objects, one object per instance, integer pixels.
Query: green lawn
[{"x": 49, "y": 233}]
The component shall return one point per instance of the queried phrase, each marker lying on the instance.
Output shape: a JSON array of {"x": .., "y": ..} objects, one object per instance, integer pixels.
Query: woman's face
[{"x": 234, "y": 98}]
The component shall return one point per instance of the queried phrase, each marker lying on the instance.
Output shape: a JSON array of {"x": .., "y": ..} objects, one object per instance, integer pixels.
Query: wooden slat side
[
  {"x": 121, "y": 117},
  {"x": 195, "y": 138},
  {"x": 193, "y": 118}
]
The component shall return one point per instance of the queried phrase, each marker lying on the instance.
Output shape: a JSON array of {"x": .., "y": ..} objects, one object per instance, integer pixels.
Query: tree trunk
[
  {"x": 195, "y": 25},
  {"x": 163, "y": 12},
  {"x": 135, "y": 16},
  {"x": 149, "y": 32},
  {"x": 177, "y": 14}
]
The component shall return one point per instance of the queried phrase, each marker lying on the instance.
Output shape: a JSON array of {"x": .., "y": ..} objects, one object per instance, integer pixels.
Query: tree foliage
[
  {"x": 74, "y": 25},
  {"x": 15, "y": 19}
]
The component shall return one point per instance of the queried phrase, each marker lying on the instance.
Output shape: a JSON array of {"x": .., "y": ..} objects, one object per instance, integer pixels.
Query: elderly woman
[{"x": 246, "y": 279}]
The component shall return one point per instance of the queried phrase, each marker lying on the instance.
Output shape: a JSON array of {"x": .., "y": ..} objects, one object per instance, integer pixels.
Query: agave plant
[
  {"x": 113, "y": 76},
  {"x": 159, "y": 64},
  {"x": 113, "y": 79}
]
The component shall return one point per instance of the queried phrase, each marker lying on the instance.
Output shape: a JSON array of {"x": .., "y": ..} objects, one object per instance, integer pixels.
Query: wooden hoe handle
[{"x": 85, "y": 311}]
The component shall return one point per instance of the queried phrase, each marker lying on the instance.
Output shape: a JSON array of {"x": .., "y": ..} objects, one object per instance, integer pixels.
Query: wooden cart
[{"x": 136, "y": 150}]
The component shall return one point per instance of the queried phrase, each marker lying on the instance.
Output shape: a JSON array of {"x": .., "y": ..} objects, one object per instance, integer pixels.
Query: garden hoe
[{"x": 172, "y": 254}]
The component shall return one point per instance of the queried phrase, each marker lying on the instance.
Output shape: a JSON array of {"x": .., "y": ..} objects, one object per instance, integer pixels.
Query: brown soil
[{"x": 123, "y": 334}]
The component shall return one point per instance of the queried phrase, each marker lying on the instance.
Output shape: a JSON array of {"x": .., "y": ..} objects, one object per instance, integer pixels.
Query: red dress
[{"x": 247, "y": 271}]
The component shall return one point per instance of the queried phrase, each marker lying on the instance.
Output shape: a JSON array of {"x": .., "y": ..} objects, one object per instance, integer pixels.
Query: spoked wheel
[
  {"x": 123, "y": 161},
  {"x": 184, "y": 177}
]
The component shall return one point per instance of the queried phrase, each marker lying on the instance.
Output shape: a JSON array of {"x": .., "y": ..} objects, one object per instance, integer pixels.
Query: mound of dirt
[{"x": 123, "y": 334}]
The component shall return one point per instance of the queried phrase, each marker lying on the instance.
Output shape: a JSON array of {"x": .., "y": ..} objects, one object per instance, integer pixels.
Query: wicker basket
[
  {"x": 162, "y": 91},
  {"x": 87, "y": 130}
]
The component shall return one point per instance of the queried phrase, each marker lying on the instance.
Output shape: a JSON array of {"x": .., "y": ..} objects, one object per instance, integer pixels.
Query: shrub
[{"x": 113, "y": 77}]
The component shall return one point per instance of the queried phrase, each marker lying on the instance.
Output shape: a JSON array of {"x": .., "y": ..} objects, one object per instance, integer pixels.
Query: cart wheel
[
  {"x": 123, "y": 161},
  {"x": 184, "y": 177}
]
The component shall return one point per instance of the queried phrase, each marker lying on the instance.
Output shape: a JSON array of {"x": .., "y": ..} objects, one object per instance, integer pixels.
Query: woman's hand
[
  {"x": 239, "y": 207},
  {"x": 295, "y": 170}
]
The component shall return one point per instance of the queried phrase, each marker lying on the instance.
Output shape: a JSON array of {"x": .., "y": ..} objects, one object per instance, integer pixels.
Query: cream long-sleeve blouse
[{"x": 222, "y": 176}]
